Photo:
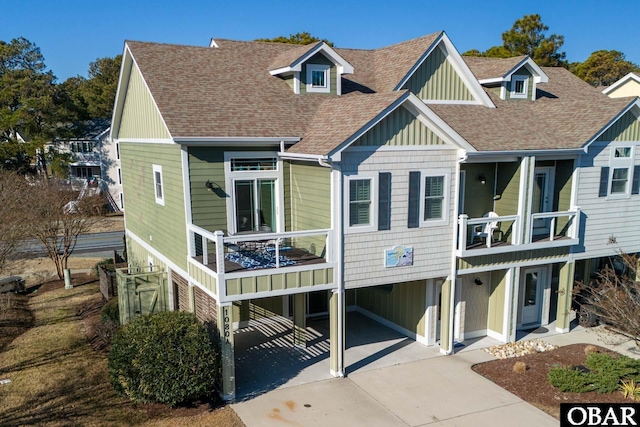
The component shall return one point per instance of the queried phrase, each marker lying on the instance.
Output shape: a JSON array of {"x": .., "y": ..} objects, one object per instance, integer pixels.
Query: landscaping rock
[{"x": 520, "y": 348}]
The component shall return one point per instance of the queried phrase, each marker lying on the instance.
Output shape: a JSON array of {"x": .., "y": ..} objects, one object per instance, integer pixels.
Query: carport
[{"x": 266, "y": 358}]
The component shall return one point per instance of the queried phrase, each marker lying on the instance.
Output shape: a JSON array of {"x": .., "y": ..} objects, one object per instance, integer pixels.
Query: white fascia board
[
  {"x": 213, "y": 43},
  {"x": 623, "y": 80},
  {"x": 492, "y": 80},
  {"x": 222, "y": 140},
  {"x": 458, "y": 65},
  {"x": 634, "y": 103},
  {"x": 343, "y": 66},
  {"x": 123, "y": 81},
  {"x": 285, "y": 70},
  {"x": 539, "y": 76},
  {"x": 302, "y": 156},
  {"x": 525, "y": 153}
]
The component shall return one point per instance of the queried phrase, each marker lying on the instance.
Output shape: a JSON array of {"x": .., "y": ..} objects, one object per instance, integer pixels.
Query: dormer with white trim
[
  {"x": 519, "y": 82},
  {"x": 312, "y": 69}
]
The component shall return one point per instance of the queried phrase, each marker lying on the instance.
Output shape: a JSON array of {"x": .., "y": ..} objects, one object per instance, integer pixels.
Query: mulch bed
[{"x": 533, "y": 385}]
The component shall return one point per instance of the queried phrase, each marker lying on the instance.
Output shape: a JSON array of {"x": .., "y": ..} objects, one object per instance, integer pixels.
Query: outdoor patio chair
[{"x": 487, "y": 230}]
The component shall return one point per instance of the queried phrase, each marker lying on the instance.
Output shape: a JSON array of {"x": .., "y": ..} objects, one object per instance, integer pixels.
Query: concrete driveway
[{"x": 439, "y": 391}]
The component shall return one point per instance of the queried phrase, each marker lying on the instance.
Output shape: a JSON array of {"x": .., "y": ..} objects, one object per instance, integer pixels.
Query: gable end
[{"x": 627, "y": 128}]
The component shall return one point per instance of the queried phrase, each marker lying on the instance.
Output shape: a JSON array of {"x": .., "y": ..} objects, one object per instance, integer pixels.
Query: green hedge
[{"x": 167, "y": 357}]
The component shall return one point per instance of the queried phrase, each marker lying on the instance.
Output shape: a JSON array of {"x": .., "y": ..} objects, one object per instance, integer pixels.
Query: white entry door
[
  {"x": 542, "y": 198},
  {"x": 531, "y": 295}
]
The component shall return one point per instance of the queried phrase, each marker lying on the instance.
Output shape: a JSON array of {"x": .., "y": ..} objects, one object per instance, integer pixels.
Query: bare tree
[
  {"x": 12, "y": 227},
  {"x": 57, "y": 216},
  {"x": 614, "y": 295}
]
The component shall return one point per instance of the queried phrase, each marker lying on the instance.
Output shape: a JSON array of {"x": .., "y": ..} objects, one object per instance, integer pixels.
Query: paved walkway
[{"x": 437, "y": 391}]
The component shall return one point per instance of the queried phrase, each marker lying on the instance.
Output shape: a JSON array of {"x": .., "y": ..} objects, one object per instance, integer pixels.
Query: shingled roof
[
  {"x": 489, "y": 68},
  {"x": 228, "y": 92},
  {"x": 567, "y": 113}
]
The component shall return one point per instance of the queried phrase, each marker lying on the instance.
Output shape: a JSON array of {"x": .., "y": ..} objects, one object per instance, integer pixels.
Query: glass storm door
[
  {"x": 255, "y": 205},
  {"x": 531, "y": 296},
  {"x": 542, "y": 198}
]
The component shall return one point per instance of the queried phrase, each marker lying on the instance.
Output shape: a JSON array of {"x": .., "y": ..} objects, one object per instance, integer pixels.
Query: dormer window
[
  {"x": 519, "y": 86},
  {"x": 318, "y": 78}
]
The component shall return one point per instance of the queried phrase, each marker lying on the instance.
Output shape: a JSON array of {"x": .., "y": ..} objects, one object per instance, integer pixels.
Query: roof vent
[{"x": 213, "y": 43}]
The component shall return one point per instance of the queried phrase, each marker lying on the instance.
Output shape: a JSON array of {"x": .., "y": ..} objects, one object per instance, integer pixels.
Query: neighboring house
[
  {"x": 628, "y": 85},
  {"x": 95, "y": 158},
  {"x": 446, "y": 197}
]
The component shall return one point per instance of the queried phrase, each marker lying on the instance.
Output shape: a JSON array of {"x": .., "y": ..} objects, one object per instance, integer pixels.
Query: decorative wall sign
[{"x": 398, "y": 256}]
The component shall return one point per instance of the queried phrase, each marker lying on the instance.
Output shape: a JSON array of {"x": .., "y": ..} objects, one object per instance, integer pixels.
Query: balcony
[
  {"x": 501, "y": 234},
  {"x": 258, "y": 263}
]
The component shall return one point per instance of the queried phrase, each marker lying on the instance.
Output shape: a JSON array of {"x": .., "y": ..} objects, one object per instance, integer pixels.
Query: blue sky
[{"x": 72, "y": 33}]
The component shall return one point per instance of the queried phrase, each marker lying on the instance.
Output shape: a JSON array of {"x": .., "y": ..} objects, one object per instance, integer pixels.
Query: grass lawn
[{"x": 57, "y": 378}]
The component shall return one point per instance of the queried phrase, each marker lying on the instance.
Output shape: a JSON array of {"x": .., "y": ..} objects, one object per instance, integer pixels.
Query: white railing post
[
  {"x": 219, "y": 253},
  {"x": 277, "y": 253},
  {"x": 205, "y": 254},
  {"x": 552, "y": 229},
  {"x": 575, "y": 230},
  {"x": 462, "y": 232}
]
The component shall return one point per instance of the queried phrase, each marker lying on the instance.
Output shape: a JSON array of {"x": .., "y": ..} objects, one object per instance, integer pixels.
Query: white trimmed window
[
  {"x": 519, "y": 86},
  {"x": 361, "y": 194},
  {"x": 618, "y": 176},
  {"x": 434, "y": 198},
  {"x": 318, "y": 78},
  {"x": 157, "y": 184}
]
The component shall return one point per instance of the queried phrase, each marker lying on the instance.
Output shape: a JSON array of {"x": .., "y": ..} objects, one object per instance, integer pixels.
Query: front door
[
  {"x": 542, "y": 198},
  {"x": 531, "y": 293}
]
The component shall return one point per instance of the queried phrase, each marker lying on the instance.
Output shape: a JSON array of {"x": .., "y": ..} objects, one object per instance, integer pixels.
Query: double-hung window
[
  {"x": 361, "y": 200},
  {"x": 519, "y": 86},
  {"x": 429, "y": 198},
  {"x": 621, "y": 178},
  {"x": 157, "y": 184},
  {"x": 318, "y": 78}
]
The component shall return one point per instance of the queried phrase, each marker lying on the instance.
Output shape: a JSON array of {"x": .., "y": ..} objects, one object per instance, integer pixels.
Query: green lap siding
[
  {"x": 208, "y": 208},
  {"x": 405, "y": 305},
  {"x": 161, "y": 227}
]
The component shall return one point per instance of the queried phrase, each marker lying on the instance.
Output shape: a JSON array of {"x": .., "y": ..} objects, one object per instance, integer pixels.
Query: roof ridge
[{"x": 434, "y": 34}]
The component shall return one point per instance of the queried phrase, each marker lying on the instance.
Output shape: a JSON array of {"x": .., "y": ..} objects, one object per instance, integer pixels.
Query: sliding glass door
[{"x": 255, "y": 205}]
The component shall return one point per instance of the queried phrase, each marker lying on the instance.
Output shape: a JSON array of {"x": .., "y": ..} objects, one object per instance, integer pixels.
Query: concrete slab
[
  {"x": 336, "y": 402},
  {"x": 431, "y": 390},
  {"x": 519, "y": 414}
]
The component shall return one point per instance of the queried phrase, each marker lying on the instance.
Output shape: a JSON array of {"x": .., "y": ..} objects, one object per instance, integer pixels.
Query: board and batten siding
[
  {"x": 400, "y": 128},
  {"x": 474, "y": 302},
  {"x": 405, "y": 305},
  {"x": 606, "y": 219},
  {"x": 161, "y": 227},
  {"x": 495, "y": 321},
  {"x": 436, "y": 79},
  {"x": 364, "y": 253},
  {"x": 319, "y": 59},
  {"x": 140, "y": 116},
  {"x": 627, "y": 128}
]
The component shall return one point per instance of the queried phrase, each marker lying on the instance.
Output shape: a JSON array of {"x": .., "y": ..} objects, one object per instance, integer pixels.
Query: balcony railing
[
  {"x": 500, "y": 234},
  {"x": 559, "y": 227},
  {"x": 490, "y": 234},
  {"x": 258, "y": 251}
]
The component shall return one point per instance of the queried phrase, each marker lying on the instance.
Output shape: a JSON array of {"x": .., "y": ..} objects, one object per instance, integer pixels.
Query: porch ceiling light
[
  {"x": 477, "y": 281},
  {"x": 482, "y": 179}
]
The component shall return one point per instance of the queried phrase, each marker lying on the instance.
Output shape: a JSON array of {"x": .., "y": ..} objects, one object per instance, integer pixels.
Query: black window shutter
[
  {"x": 384, "y": 201},
  {"x": 635, "y": 186},
  {"x": 414, "y": 200},
  {"x": 604, "y": 182}
]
